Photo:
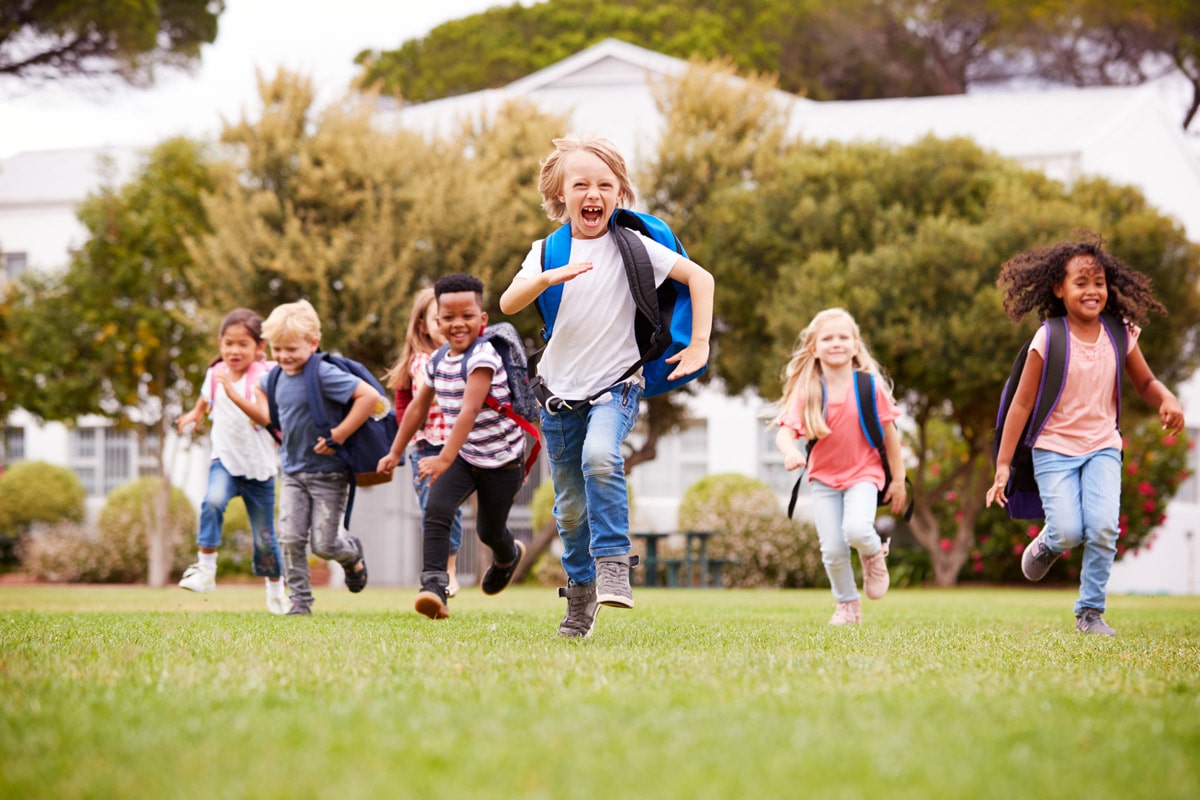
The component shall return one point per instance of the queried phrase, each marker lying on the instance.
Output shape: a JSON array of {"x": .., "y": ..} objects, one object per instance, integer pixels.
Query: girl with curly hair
[{"x": 1077, "y": 454}]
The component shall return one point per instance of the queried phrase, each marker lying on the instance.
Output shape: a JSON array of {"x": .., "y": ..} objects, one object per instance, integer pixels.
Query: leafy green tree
[
  {"x": 322, "y": 205},
  {"x": 117, "y": 334},
  {"x": 63, "y": 38}
]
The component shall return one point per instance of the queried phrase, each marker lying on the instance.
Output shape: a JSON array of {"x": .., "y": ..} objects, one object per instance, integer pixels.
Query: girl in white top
[{"x": 244, "y": 459}]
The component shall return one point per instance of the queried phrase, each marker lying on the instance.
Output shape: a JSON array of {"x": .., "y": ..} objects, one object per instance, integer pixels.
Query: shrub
[
  {"x": 34, "y": 492},
  {"x": 548, "y": 570},
  {"x": 770, "y": 549},
  {"x": 123, "y": 530},
  {"x": 63, "y": 553}
]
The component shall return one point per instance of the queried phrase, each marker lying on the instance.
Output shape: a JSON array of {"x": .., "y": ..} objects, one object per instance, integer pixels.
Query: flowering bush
[
  {"x": 1153, "y": 468},
  {"x": 768, "y": 549}
]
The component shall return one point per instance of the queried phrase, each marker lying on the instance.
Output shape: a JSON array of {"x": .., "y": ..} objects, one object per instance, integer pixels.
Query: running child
[
  {"x": 244, "y": 461},
  {"x": 1077, "y": 455},
  {"x": 583, "y": 182},
  {"x": 316, "y": 482},
  {"x": 405, "y": 378},
  {"x": 483, "y": 454},
  {"x": 845, "y": 470}
]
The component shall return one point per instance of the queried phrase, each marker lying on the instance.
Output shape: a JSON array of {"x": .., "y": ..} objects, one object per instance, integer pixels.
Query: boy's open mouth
[{"x": 592, "y": 215}]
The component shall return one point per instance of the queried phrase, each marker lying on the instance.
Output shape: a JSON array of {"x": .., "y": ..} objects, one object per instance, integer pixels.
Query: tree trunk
[
  {"x": 542, "y": 540},
  {"x": 159, "y": 556}
]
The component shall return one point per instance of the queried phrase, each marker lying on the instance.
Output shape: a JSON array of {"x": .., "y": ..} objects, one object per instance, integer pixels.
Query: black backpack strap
[
  {"x": 868, "y": 417},
  {"x": 1118, "y": 334},
  {"x": 808, "y": 448},
  {"x": 272, "y": 406}
]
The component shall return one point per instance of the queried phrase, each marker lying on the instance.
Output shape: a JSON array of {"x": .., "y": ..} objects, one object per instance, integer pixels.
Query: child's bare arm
[
  {"x": 257, "y": 409},
  {"x": 786, "y": 442},
  {"x": 192, "y": 417},
  {"x": 701, "y": 286},
  {"x": 1154, "y": 392},
  {"x": 479, "y": 383},
  {"x": 414, "y": 417},
  {"x": 365, "y": 399},
  {"x": 523, "y": 291},
  {"x": 1018, "y": 414},
  {"x": 896, "y": 493}
]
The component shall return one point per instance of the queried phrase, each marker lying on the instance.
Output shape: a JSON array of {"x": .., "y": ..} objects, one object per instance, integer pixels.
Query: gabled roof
[{"x": 63, "y": 176}]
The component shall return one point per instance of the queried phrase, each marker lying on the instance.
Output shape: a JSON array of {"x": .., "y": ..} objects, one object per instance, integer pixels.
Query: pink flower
[
  {"x": 958, "y": 516},
  {"x": 935, "y": 469},
  {"x": 1131, "y": 468},
  {"x": 1033, "y": 531},
  {"x": 977, "y": 566},
  {"x": 1018, "y": 548},
  {"x": 1169, "y": 440},
  {"x": 1149, "y": 506},
  {"x": 1145, "y": 488},
  {"x": 951, "y": 496},
  {"x": 945, "y": 544}
]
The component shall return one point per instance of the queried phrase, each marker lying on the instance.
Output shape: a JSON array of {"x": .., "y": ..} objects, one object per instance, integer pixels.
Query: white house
[{"x": 1125, "y": 134}]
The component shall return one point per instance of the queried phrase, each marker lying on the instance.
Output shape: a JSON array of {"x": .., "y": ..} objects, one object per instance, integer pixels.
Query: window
[
  {"x": 14, "y": 445},
  {"x": 14, "y": 265},
  {"x": 105, "y": 458},
  {"x": 681, "y": 461}
]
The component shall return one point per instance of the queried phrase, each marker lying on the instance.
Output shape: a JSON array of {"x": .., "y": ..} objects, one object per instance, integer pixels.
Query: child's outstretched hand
[
  {"x": 996, "y": 493},
  {"x": 570, "y": 271},
  {"x": 387, "y": 463},
  {"x": 690, "y": 359},
  {"x": 184, "y": 420},
  {"x": 1170, "y": 413},
  {"x": 794, "y": 460}
]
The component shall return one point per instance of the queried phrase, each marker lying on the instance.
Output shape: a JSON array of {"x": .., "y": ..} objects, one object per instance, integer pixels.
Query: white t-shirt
[
  {"x": 246, "y": 450},
  {"x": 593, "y": 342}
]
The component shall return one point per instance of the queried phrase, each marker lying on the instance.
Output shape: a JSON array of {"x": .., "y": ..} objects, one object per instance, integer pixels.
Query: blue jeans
[
  {"x": 591, "y": 501},
  {"x": 845, "y": 518},
  {"x": 1082, "y": 499},
  {"x": 421, "y": 487},
  {"x": 259, "y": 497}
]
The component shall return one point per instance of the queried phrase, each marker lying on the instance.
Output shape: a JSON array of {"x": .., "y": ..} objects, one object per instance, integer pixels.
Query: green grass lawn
[{"x": 133, "y": 692}]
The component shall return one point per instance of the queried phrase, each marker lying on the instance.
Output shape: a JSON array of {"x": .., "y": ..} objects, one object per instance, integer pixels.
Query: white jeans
[{"x": 845, "y": 518}]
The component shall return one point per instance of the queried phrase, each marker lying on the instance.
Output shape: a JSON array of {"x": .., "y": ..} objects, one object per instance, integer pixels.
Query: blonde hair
[
  {"x": 803, "y": 373},
  {"x": 550, "y": 181},
  {"x": 417, "y": 340},
  {"x": 292, "y": 321}
]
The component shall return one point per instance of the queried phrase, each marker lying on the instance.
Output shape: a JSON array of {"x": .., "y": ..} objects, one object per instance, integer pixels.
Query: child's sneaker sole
[
  {"x": 197, "y": 579},
  {"x": 430, "y": 605}
]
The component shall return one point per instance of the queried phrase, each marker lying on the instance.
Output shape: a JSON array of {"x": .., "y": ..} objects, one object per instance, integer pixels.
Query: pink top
[
  {"x": 845, "y": 456},
  {"x": 435, "y": 431},
  {"x": 1085, "y": 419}
]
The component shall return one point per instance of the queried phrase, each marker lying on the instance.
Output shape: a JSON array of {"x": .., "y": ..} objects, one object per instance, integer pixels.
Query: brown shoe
[{"x": 432, "y": 604}]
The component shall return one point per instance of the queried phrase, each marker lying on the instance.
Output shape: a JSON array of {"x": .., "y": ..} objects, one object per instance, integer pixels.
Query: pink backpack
[{"x": 253, "y": 373}]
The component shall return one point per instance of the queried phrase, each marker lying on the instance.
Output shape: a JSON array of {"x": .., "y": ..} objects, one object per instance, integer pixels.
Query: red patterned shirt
[{"x": 435, "y": 431}]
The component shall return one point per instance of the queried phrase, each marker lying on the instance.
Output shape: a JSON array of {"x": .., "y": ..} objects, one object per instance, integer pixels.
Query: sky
[{"x": 318, "y": 38}]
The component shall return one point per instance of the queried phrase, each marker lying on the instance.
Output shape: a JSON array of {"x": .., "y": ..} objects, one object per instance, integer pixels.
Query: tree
[
  {"x": 117, "y": 334},
  {"x": 853, "y": 49},
  {"x": 64, "y": 38},
  {"x": 322, "y": 205}
]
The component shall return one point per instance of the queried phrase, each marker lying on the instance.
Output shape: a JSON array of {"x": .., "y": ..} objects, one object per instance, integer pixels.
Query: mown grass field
[{"x": 133, "y": 692}]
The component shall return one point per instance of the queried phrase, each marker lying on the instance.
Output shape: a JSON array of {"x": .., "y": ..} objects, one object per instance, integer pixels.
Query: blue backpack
[
  {"x": 363, "y": 449},
  {"x": 1024, "y": 499},
  {"x": 523, "y": 406},
  {"x": 663, "y": 321},
  {"x": 868, "y": 418}
]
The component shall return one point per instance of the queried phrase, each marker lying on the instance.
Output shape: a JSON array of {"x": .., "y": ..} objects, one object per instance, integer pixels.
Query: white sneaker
[
  {"x": 198, "y": 579},
  {"x": 277, "y": 604}
]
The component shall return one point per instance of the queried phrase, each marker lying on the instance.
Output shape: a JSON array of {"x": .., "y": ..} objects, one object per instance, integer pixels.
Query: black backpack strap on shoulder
[
  {"x": 808, "y": 448},
  {"x": 316, "y": 401},
  {"x": 868, "y": 417}
]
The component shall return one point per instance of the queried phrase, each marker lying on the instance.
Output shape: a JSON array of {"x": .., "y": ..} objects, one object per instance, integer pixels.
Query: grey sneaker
[
  {"x": 612, "y": 581},
  {"x": 299, "y": 610},
  {"x": 581, "y": 611},
  {"x": 1088, "y": 620},
  {"x": 1038, "y": 558}
]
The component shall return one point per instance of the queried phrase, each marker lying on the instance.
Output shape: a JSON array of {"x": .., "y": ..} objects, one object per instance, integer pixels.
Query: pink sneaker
[
  {"x": 848, "y": 613},
  {"x": 875, "y": 574}
]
